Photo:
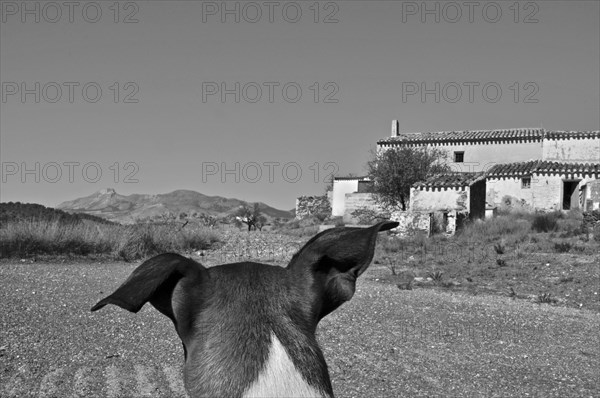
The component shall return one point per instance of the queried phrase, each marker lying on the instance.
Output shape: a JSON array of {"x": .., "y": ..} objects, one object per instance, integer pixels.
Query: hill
[
  {"x": 17, "y": 211},
  {"x": 110, "y": 205}
]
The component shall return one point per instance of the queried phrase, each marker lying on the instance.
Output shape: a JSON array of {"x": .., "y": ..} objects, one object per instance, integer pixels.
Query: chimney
[{"x": 395, "y": 128}]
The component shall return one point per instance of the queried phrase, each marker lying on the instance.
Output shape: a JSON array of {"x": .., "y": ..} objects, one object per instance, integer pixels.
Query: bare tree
[{"x": 252, "y": 217}]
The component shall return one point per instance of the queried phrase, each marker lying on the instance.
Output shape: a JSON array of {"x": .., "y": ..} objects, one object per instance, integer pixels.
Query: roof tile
[
  {"x": 558, "y": 135},
  {"x": 450, "y": 180},
  {"x": 518, "y": 134},
  {"x": 542, "y": 167}
]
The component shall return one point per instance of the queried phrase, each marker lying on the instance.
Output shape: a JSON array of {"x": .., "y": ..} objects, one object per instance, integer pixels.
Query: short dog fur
[{"x": 248, "y": 329}]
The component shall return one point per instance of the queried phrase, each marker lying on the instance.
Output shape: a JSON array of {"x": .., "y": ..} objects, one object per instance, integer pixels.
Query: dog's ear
[
  {"x": 154, "y": 281},
  {"x": 333, "y": 260}
]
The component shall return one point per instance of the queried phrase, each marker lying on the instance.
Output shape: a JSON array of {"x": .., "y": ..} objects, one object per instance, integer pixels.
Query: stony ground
[{"x": 386, "y": 342}]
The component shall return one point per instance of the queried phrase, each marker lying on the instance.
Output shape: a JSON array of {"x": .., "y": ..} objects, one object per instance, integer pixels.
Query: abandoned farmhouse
[{"x": 525, "y": 168}]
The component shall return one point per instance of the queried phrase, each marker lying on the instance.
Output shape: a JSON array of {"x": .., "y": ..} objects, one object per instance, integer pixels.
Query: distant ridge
[{"x": 126, "y": 209}]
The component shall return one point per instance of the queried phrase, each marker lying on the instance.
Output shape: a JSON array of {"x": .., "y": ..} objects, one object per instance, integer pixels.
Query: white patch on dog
[{"x": 280, "y": 378}]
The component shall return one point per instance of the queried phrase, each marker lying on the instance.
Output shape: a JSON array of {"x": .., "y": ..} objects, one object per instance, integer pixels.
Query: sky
[{"x": 264, "y": 101}]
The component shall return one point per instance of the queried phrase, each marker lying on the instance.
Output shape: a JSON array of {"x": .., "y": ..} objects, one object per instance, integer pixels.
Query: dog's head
[{"x": 248, "y": 329}]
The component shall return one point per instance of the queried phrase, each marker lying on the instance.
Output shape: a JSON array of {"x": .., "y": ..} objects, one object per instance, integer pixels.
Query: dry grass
[
  {"x": 505, "y": 256},
  {"x": 25, "y": 239}
]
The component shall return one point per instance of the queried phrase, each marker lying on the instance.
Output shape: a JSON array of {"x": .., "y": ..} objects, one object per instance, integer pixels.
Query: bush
[
  {"x": 34, "y": 237},
  {"x": 563, "y": 247},
  {"x": 511, "y": 225},
  {"x": 546, "y": 222},
  {"x": 42, "y": 237},
  {"x": 545, "y": 298},
  {"x": 591, "y": 217},
  {"x": 337, "y": 221},
  {"x": 139, "y": 243},
  {"x": 322, "y": 216},
  {"x": 436, "y": 276},
  {"x": 500, "y": 248}
]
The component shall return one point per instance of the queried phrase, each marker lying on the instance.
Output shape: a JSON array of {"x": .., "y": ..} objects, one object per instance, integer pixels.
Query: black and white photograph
[{"x": 307, "y": 198}]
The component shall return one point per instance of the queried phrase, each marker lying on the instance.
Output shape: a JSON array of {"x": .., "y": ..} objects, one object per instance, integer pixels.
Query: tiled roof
[
  {"x": 521, "y": 134},
  {"x": 539, "y": 167},
  {"x": 547, "y": 167},
  {"x": 562, "y": 135},
  {"x": 542, "y": 167},
  {"x": 518, "y": 134},
  {"x": 450, "y": 180},
  {"x": 513, "y": 169}
]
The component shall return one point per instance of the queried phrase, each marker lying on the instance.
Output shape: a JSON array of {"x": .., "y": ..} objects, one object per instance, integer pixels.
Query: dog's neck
[
  {"x": 253, "y": 333},
  {"x": 280, "y": 377}
]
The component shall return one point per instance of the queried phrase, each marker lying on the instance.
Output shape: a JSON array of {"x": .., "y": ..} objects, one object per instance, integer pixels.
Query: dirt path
[{"x": 384, "y": 343}]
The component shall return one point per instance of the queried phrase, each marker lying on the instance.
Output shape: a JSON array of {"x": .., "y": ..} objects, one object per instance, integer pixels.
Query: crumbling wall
[
  {"x": 411, "y": 222},
  {"x": 359, "y": 201},
  {"x": 439, "y": 199},
  {"x": 311, "y": 205},
  {"x": 592, "y": 200},
  {"x": 508, "y": 192}
]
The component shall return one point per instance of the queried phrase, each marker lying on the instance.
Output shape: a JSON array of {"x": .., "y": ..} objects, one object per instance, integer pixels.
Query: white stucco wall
[
  {"x": 439, "y": 200},
  {"x": 496, "y": 189},
  {"x": 481, "y": 156},
  {"x": 584, "y": 150},
  {"x": 546, "y": 192},
  {"x": 340, "y": 189}
]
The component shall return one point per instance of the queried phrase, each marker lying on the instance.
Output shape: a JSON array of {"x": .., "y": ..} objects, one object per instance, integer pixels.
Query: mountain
[{"x": 109, "y": 204}]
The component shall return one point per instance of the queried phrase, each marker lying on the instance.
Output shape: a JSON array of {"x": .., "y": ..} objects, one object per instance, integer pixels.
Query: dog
[{"x": 248, "y": 329}]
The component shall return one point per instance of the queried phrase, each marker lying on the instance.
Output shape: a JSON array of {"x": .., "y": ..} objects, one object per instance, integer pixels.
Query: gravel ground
[{"x": 384, "y": 343}]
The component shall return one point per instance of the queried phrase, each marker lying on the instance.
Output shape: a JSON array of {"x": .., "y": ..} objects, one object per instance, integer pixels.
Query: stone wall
[
  {"x": 411, "y": 222},
  {"x": 310, "y": 205},
  {"x": 359, "y": 201}
]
